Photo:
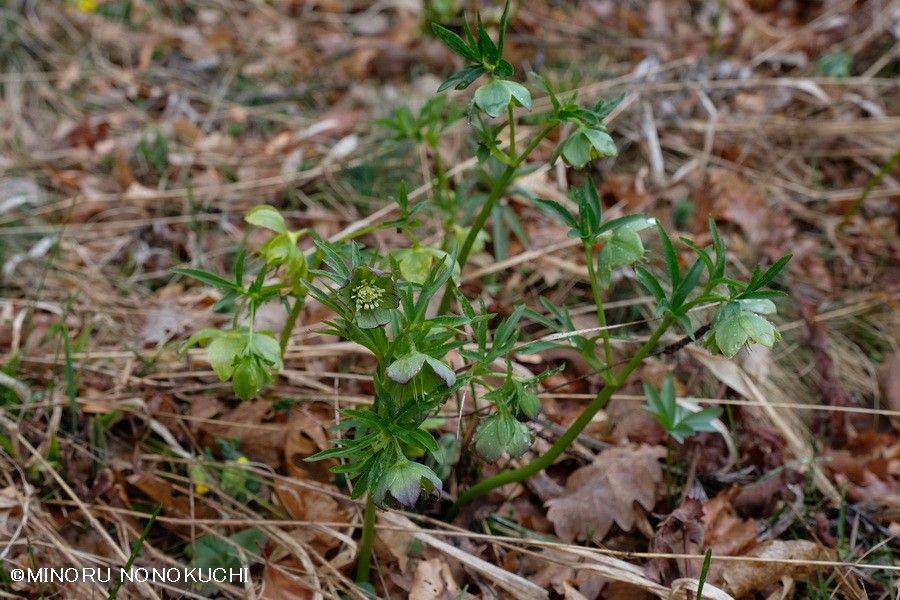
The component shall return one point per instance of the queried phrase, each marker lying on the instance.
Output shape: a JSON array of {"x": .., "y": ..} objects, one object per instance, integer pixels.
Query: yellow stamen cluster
[{"x": 367, "y": 296}]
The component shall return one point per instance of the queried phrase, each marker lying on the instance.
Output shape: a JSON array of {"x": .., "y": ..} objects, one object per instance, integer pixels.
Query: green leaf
[
  {"x": 557, "y": 209},
  {"x": 669, "y": 255},
  {"x": 519, "y": 92},
  {"x": 406, "y": 367},
  {"x": 463, "y": 78},
  {"x": 489, "y": 52},
  {"x": 650, "y": 283},
  {"x": 493, "y": 97},
  {"x": 207, "y": 278},
  {"x": 267, "y": 217},
  {"x": 455, "y": 43},
  {"x": 687, "y": 284},
  {"x": 504, "y": 22},
  {"x": 222, "y": 352},
  {"x": 603, "y": 108},
  {"x": 602, "y": 142},
  {"x": 772, "y": 272},
  {"x": 503, "y": 68}
]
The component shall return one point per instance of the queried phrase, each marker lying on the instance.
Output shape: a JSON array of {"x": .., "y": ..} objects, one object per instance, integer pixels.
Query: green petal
[
  {"x": 493, "y": 97},
  {"x": 441, "y": 370},
  {"x": 268, "y": 217},
  {"x": 222, "y": 352},
  {"x": 370, "y": 319},
  {"x": 406, "y": 367},
  {"x": 758, "y": 329},
  {"x": 576, "y": 150},
  {"x": 519, "y": 92},
  {"x": 730, "y": 336},
  {"x": 602, "y": 142}
]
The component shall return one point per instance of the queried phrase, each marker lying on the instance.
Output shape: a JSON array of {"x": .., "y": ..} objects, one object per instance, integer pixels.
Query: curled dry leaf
[
  {"x": 433, "y": 581},
  {"x": 742, "y": 578},
  {"x": 606, "y": 491},
  {"x": 680, "y": 533}
]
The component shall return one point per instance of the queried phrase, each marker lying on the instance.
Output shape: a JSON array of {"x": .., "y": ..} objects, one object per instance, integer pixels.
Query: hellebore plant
[{"x": 382, "y": 302}]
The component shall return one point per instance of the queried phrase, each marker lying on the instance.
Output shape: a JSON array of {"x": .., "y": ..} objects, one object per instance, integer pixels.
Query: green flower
[
  {"x": 405, "y": 480},
  {"x": 416, "y": 263},
  {"x": 280, "y": 249},
  {"x": 245, "y": 358},
  {"x": 371, "y": 294},
  {"x": 586, "y": 144},
  {"x": 501, "y": 433},
  {"x": 406, "y": 367},
  {"x": 738, "y": 322}
]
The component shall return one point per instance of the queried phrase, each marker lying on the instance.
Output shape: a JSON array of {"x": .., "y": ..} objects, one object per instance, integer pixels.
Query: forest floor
[{"x": 134, "y": 135}]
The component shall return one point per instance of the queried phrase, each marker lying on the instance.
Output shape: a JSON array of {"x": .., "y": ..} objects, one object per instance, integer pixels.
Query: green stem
[
  {"x": 598, "y": 301},
  {"x": 364, "y": 562},
  {"x": 546, "y": 459},
  {"x": 291, "y": 321},
  {"x": 512, "y": 130},
  {"x": 497, "y": 191}
]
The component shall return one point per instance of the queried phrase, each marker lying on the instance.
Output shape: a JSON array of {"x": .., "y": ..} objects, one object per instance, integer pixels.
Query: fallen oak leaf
[{"x": 606, "y": 491}]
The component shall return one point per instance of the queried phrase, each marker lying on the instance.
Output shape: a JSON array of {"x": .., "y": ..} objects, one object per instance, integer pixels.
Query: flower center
[{"x": 367, "y": 296}]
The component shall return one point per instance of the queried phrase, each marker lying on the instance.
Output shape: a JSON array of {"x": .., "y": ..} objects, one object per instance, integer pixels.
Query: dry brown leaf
[
  {"x": 279, "y": 585},
  {"x": 743, "y": 578},
  {"x": 726, "y": 533},
  {"x": 433, "y": 581},
  {"x": 680, "y": 533},
  {"x": 605, "y": 492}
]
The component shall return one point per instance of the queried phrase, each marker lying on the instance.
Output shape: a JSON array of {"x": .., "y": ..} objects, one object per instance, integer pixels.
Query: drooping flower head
[{"x": 405, "y": 480}]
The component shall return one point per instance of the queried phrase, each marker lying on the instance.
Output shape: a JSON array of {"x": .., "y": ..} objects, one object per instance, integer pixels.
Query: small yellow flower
[
  {"x": 243, "y": 459},
  {"x": 88, "y": 6},
  {"x": 201, "y": 489}
]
